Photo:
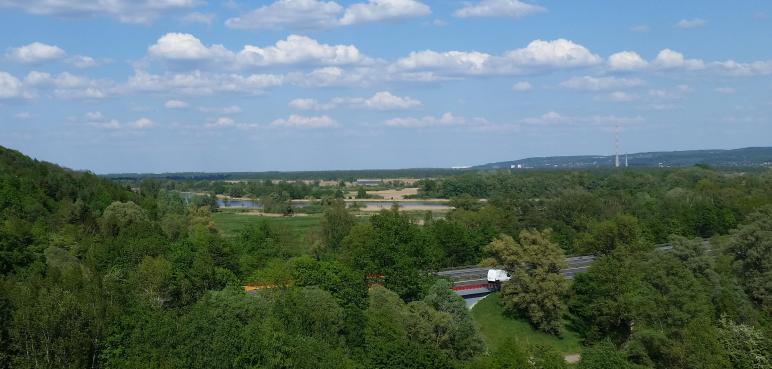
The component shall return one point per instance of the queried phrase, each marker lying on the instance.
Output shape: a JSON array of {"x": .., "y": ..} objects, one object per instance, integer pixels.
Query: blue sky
[{"x": 188, "y": 85}]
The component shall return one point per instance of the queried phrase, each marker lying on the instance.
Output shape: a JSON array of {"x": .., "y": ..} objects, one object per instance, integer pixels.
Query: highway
[{"x": 471, "y": 282}]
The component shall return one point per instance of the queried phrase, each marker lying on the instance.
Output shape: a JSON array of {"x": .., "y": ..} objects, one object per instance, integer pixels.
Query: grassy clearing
[
  {"x": 230, "y": 222},
  {"x": 497, "y": 328}
]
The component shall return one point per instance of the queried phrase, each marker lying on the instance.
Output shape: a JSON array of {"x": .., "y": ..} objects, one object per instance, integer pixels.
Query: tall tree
[{"x": 537, "y": 288}]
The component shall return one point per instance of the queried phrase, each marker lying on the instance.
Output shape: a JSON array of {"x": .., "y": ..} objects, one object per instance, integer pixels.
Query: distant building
[{"x": 368, "y": 182}]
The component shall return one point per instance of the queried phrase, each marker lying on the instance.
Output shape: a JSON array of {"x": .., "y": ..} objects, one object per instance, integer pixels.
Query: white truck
[{"x": 495, "y": 277}]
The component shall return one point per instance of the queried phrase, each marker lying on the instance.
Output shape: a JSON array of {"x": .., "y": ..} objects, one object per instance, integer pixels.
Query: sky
[{"x": 192, "y": 85}]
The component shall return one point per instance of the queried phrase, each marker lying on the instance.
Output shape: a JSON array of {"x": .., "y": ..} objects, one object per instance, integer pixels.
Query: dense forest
[{"x": 98, "y": 274}]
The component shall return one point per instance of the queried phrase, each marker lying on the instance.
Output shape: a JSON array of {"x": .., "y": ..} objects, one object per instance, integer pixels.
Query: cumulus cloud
[
  {"x": 299, "y": 49},
  {"x": 669, "y": 59},
  {"x": 384, "y": 100},
  {"x": 620, "y": 96},
  {"x": 186, "y": 47},
  {"x": 498, "y": 8},
  {"x": 553, "y": 117},
  {"x": 308, "y": 14},
  {"x": 201, "y": 83},
  {"x": 589, "y": 83},
  {"x": 142, "y": 123},
  {"x": 309, "y": 104},
  {"x": 691, "y": 23},
  {"x": 379, "y": 10},
  {"x": 200, "y": 18},
  {"x": 98, "y": 120},
  {"x": 556, "y": 53},
  {"x": 546, "y": 118},
  {"x": 539, "y": 55},
  {"x": 290, "y": 14},
  {"x": 522, "y": 86},
  {"x": 69, "y": 86},
  {"x": 626, "y": 61},
  {"x": 444, "y": 120},
  {"x": 10, "y": 86},
  {"x": 129, "y": 11},
  {"x": 176, "y": 104},
  {"x": 221, "y": 122},
  {"x": 231, "y": 109},
  {"x": 295, "y": 120},
  {"x": 82, "y": 61},
  {"x": 35, "y": 52}
]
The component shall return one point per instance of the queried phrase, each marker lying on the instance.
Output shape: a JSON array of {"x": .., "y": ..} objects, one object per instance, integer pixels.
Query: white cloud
[
  {"x": 384, "y": 100},
  {"x": 538, "y": 56},
  {"x": 142, "y": 123},
  {"x": 589, "y": 83},
  {"x": 130, "y": 11},
  {"x": 725, "y": 90},
  {"x": 69, "y": 86},
  {"x": 176, "y": 104},
  {"x": 445, "y": 120},
  {"x": 10, "y": 86},
  {"x": 626, "y": 61},
  {"x": 498, "y": 8},
  {"x": 620, "y": 96},
  {"x": 232, "y": 109},
  {"x": 202, "y": 83},
  {"x": 221, "y": 122},
  {"x": 307, "y": 104},
  {"x": 379, "y": 10},
  {"x": 553, "y": 117},
  {"x": 309, "y": 14},
  {"x": 459, "y": 61},
  {"x": 546, "y": 118},
  {"x": 23, "y": 115},
  {"x": 306, "y": 121},
  {"x": 668, "y": 59},
  {"x": 557, "y": 53},
  {"x": 302, "y": 14},
  {"x": 186, "y": 47},
  {"x": 98, "y": 120},
  {"x": 200, "y": 18},
  {"x": 299, "y": 49},
  {"x": 35, "y": 52},
  {"x": 733, "y": 68},
  {"x": 641, "y": 28},
  {"x": 691, "y": 23},
  {"x": 522, "y": 86},
  {"x": 81, "y": 61},
  {"x": 295, "y": 49}
]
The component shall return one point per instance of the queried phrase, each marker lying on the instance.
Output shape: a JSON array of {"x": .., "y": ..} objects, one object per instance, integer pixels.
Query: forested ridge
[{"x": 98, "y": 275}]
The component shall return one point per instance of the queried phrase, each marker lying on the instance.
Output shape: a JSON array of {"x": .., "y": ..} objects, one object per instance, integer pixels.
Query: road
[{"x": 471, "y": 282}]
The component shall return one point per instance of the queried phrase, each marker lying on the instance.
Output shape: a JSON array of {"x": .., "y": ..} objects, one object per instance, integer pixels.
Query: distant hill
[{"x": 746, "y": 157}]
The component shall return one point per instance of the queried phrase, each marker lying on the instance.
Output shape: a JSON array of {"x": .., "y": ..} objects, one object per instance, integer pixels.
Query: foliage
[{"x": 537, "y": 288}]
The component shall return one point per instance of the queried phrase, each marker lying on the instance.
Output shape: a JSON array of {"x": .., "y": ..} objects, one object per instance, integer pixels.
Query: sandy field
[{"x": 395, "y": 194}]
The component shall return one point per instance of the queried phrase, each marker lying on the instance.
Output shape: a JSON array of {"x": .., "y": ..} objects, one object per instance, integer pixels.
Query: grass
[
  {"x": 230, "y": 222},
  {"x": 294, "y": 229},
  {"x": 497, "y": 328}
]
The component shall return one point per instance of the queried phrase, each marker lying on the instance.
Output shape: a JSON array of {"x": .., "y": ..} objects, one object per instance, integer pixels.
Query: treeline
[
  {"x": 328, "y": 175},
  {"x": 591, "y": 211}
]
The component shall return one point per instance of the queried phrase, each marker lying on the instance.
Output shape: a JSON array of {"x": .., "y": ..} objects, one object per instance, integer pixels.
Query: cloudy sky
[{"x": 194, "y": 85}]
